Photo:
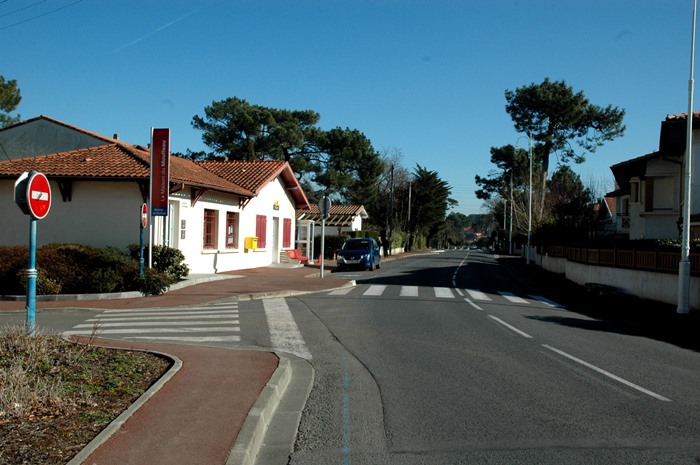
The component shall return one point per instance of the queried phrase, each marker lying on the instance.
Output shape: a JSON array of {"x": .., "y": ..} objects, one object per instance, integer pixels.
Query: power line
[
  {"x": 39, "y": 16},
  {"x": 22, "y": 9}
]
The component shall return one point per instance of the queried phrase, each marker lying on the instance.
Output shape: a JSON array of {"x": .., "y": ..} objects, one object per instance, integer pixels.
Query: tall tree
[
  {"x": 9, "y": 100},
  {"x": 570, "y": 200},
  {"x": 430, "y": 201},
  {"x": 553, "y": 116},
  {"x": 339, "y": 162}
]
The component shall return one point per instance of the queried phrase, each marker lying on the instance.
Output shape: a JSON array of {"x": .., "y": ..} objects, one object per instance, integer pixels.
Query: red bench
[{"x": 294, "y": 254}]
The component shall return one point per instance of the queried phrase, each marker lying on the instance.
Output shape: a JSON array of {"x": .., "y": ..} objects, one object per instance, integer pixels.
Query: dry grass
[{"x": 56, "y": 395}]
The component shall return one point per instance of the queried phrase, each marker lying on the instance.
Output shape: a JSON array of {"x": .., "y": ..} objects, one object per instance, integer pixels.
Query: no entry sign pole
[
  {"x": 33, "y": 196},
  {"x": 144, "y": 224},
  {"x": 31, "y": 279}
]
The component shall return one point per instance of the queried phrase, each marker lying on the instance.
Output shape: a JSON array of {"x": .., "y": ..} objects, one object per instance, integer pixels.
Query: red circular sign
[
  {"x": 38, "y": 195},
  {"x": 144, "y": 216}
]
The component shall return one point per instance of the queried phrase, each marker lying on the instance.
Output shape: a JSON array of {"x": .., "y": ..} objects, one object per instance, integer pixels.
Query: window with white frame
[
  {"x": 231, "y": 230},
  {"x": 211, "y": 224}
]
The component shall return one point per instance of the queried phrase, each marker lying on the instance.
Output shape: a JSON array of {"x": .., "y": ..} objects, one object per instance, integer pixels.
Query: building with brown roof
[{"x": 99, "y": 184}]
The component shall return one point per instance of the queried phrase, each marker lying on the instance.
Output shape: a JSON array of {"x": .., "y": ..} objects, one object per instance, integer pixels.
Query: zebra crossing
[
  {"x": 379, "y": 290},
  {"x": 217, "y": 322}
]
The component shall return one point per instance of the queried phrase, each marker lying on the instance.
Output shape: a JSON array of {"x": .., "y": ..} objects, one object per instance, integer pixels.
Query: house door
[{"x": 275, "y": 241}]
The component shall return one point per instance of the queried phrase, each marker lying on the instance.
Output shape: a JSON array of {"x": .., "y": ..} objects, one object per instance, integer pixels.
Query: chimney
[{"x": 116, "y": 136}]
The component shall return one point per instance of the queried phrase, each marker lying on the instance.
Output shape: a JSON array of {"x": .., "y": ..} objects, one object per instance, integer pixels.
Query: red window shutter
[
  {"x": 287, "y": 233},
  {"x": 261, "y": 230}
]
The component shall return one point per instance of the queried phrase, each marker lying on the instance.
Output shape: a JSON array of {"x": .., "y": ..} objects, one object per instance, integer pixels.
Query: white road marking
[
  {"x": 473, "y": 304},
  {"x": 546, "y": 301},
  {"x": 161, "y": 318},
  {"x": 343, "y": 291},
  {"x": 375, "y": 290},
  {"x": 444, "y": 293},
  {"x": 459, "y": 292},
  {"x": 608, "y": 374},
  {"x": 477, "y": 295},
  {"x": 126, "y": 324},
  {"x": 192, "y": 338},
  {"x": 155, "y": 330},
  {"x": 284, "y": 332},
  {"x": 512, "y": 328},
  {"x": 409, "y": 291},
  {"x": 513, "y": 298}
]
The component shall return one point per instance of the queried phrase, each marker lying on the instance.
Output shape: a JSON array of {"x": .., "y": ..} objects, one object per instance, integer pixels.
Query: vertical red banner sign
[{"x": 160, "y": 171}]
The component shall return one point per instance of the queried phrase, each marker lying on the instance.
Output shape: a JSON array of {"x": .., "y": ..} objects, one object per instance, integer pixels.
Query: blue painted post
[
  {"x": 141, "y": 228},
  {"x": 31, "y": 278}
]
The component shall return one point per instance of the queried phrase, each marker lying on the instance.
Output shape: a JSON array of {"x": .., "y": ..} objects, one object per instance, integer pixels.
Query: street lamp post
[
  {"x": 684, "y": 264},
  {"x": 529, "y": 196},
  {"x": 529, "y": 202}
]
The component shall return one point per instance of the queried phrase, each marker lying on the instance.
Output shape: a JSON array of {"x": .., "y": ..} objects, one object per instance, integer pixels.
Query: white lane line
[
  {"x": 459, "y": 292},
  {"x": 444, "y": 293},
  {"x": 409, "y": 291},
  {"x": 284, "y": 332},
  {"x": 477, "y": 295},
  {"x": 132, "y": 324},
  {"x": 512, "y": 328},
  {"x": 375, "y": 290},
  {"x": 608, "y": 374},
  {"x": 473, "y": 304},
  {"x": 546, "y": 301},
  {"x": 343, "y": 291},
  {"x": 513, "y": 298}
]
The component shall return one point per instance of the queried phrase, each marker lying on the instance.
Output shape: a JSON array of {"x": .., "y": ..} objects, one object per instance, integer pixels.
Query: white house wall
[
  {"x": 221, "y": 259},
  {"x": 108, "y": 214}
]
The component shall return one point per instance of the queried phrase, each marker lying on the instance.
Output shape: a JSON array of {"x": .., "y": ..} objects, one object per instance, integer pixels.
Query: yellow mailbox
[{"x": 251, "y": 243}]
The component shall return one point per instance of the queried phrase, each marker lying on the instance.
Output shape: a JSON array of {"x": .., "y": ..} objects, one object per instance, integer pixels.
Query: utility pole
[
  {"x": 391, "y": 207},
  {"x": 408, "y": 245},
  {"x": 684, "y": 264}
]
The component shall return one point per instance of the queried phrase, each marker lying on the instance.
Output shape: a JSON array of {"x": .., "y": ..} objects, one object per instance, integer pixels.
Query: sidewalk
[{"x": 214, "y": 405}]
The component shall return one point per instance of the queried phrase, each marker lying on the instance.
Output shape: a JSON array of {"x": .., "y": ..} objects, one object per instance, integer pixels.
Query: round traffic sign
[
  {"x": 144, "y": 216},
  {"x": 38, "y": 195}
]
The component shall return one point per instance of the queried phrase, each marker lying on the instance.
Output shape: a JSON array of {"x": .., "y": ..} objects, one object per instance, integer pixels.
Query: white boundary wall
[{"x": 662, "y": 287}]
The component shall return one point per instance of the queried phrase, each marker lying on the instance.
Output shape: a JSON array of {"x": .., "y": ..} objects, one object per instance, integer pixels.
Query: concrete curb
[
  {"x": 117, "y": 295},
  {"x": 118, "y": 422},
  {"x": 287, "y": 390}
]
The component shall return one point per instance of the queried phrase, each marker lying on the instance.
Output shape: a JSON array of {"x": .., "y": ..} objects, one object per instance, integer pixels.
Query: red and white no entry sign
[
  {"x": 144, "y": 216},
  {"x": 38, "y": 195}
]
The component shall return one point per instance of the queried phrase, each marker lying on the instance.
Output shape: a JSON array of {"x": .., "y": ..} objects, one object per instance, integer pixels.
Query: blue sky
[{"x": 425, "y": 77}]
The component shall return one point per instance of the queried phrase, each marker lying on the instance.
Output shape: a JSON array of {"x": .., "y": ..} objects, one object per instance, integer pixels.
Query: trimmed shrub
[
  {"x": 166, "y": 260},
  {"x": 13, "y": 259},
  {"x": 154, "y": 282}
]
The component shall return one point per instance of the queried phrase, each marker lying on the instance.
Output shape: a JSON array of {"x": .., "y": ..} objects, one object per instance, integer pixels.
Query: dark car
[{"x": 361, "y": 252}]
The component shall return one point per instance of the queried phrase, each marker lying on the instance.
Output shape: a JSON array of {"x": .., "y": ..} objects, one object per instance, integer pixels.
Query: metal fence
[{"x": 647, "y": 260}]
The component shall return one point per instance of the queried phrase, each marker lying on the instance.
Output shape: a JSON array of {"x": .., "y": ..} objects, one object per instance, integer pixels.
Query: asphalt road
[{"x": 447, "y": 359}]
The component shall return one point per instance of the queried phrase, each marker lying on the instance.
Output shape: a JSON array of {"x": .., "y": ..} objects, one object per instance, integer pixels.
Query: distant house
[
  {"x": 649, "y": 189},
  {"x": 99, "y": 184},
  {"x": 341, "y": 218}
]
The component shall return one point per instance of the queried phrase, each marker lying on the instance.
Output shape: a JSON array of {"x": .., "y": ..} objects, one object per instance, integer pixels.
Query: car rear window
[{"x": 356, "y": 245}]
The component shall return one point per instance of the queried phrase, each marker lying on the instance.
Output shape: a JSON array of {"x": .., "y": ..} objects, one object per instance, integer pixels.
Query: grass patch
[{"x": 56, "y": 395}]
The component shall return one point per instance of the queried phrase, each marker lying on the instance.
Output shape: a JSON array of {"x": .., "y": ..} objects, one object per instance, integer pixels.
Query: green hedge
[{"x": 83, "y": 269}]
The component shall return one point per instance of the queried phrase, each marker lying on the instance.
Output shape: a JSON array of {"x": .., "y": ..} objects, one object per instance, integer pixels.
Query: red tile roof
[
  {"x": 117, "y": 161},
  {"x": 255, "y": 175},
  {"x": 682, "y": 116}
]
